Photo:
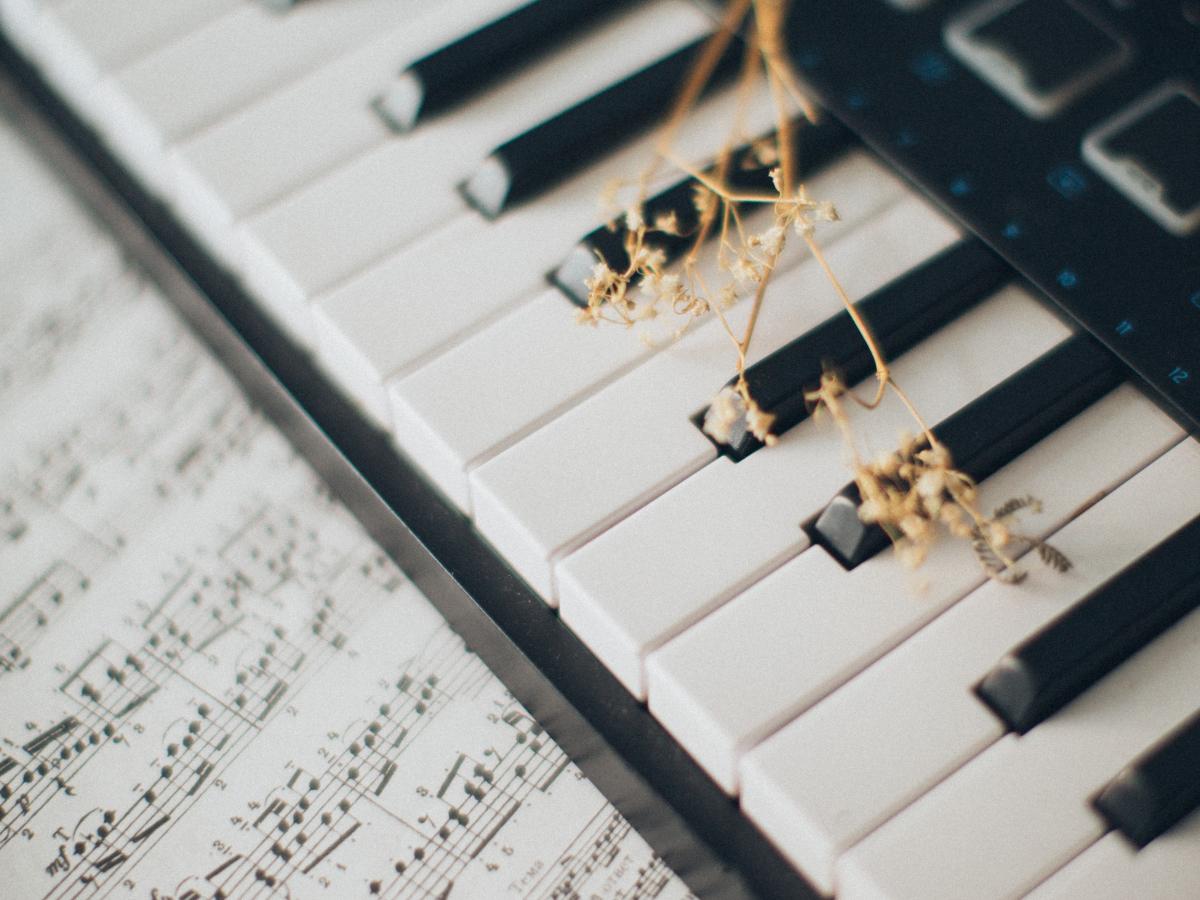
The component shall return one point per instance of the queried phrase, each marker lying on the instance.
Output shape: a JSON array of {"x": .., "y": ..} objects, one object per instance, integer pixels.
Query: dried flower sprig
[
  {"x": 908, "y": 492},
  {"x": 914, "y": 490}
]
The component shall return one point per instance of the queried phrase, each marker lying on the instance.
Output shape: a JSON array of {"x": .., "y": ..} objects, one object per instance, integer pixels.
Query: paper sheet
[{"x": 212, "y": 683}]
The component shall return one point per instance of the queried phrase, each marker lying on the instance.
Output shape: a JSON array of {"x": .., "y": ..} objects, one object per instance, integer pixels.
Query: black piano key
[
  {"x": 460, "y": 69},
  {"x": 552, "y": 150},
  {"x": 1158, "y": 789},
  {"x": 817, "y": 145},
  {"x": 988, "y": 433},
  {"x": 901, "y": 313},
  {"x": 1092, "y": 638}
]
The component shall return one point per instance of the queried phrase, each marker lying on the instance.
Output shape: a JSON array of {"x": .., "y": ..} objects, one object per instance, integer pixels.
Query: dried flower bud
[{"x": 725, "y": 411}]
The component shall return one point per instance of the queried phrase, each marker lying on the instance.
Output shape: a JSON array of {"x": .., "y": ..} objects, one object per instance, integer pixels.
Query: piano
[{"x": 361, "y": 223}]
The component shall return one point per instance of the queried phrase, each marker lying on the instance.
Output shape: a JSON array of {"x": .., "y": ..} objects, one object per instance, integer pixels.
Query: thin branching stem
[{"x": 911, "y": 491}]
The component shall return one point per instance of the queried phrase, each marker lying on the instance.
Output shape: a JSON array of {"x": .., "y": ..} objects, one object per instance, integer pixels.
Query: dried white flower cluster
[
  {"x": 914, "y": 490},
  {"x": 730, "y": 417}
]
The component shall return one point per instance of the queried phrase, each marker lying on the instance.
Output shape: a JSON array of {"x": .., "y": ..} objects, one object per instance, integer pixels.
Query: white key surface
[
  {"x": 730, "y": 524},
  {"x": 622, "y": 447},
  {"x": 1113, "y": 869},
  {"x": 398, "y": 313},
  {"x": 1017, "y": 812},
  {"x": 79, "y": 41},
  {"x": 776, "y": 649},
  {"x": 905, "y": 723},
  {"x": 192, "y": 82},
  {"x": 22, "y": 19},
  {"x": 286, "y": 139},
  {"x": 400, "y": 191},
  {"x": 726, "y": 529},
  {"x": 515, "y": 375}
]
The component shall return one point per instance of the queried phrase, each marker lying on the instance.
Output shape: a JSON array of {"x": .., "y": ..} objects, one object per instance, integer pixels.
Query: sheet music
[{"x": 212, "y": 683}]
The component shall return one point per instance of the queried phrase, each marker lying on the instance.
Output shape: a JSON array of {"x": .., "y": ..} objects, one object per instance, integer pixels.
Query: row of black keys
[
  {"x": 1045, "y": 672},
  {"x": 520, "y": 168},
  {"x": 1089, "y": 641}
]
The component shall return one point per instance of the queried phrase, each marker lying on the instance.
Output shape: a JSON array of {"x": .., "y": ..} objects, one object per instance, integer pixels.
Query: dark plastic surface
[{"x": 1022, "y": 184}]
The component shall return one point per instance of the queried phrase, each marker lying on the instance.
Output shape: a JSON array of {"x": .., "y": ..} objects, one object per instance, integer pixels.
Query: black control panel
[{"x": 1066, "y": 133}]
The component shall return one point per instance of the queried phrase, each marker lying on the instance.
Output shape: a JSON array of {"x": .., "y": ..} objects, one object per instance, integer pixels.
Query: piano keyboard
[{"x": 891, "y": 733}]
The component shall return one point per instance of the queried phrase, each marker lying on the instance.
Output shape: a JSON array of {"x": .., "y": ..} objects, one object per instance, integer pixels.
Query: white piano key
[
  {"x": 165, "y": 97},
  {"x": 624, "y": 446},
  {"x": 812, "y": 625},
  {"x": 79, "y": 41},
  {"x": 404, "y": 188},
  {"x": 21, "y": 19},
  {"x": 1016, "y": 813},
  {"x": 1113, "y": 869},
  {"x": 913, "y": 713},
  {"x": 726, "y": 527},
  {"x": 515, "y": 375},
  {"x": 449, "y": 414},
  {"x": 398, "y": 313},
  {"x": 288, "y": 138}
]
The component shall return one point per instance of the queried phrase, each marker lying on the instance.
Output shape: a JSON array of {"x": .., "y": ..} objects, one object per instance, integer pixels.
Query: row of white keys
[
  {"x": 622, "y": 447},
  {"x": 274, "y": 146},
  {"x": 1020, "y": 810},
  {"x": 397, "y": 314},
  {"x": 165, "y": 97},
  {"x": 1113, "y": 869},
  {"x": 910, "y": 720},
  {"x": 393, "y": 194},
  {"x": 644, "y": 581},
  {"x": 516, "y": 375},
  {"x": 77, "y": 42},
  {"x": 776, "y": 649}
]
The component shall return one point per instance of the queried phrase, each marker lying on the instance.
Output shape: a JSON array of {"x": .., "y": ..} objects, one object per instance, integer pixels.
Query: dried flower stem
[{"x": 907, "y": 492}]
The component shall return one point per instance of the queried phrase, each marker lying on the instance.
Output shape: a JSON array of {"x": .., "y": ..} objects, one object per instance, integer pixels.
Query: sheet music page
[{"x": 212, "y": 683}]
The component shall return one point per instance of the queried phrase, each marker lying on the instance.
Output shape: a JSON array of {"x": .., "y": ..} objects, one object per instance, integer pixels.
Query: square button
[
  {"x": 1040, "y": 54},
  {"x": 1150, "y": 151}
]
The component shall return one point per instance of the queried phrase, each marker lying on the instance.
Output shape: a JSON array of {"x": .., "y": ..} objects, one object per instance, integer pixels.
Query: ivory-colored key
[
  {"x": 1019, "y": 811},
  {"x": 587, "y": 470},
  {"x": 163, "y": 98},
  {"x": 78, "y": 42},
  {"x": 283, "y": 141},
  {"x": 727, "y": 526},
  {"x": 813, "y": 625},
  {"x": 913, "y": 713},
  {"x": 1112, "y": 869},
  {"x": 398, "y": 314},
  {"x": 403, "y": 189},
  {"x": 515, "y": 375}
]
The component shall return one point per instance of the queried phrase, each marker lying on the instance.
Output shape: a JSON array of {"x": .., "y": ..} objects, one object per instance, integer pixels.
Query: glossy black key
[
  {"x": 817, "y": 145},
  {"x": 988, "y": 433},
  {"x": 1158, "y": 789},
  {"x": 1092, "y": 638},
  {"x": 552, "y": 150},
  {"x": 901, "y": 313},
  {"x": 457, "y": 71}
]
